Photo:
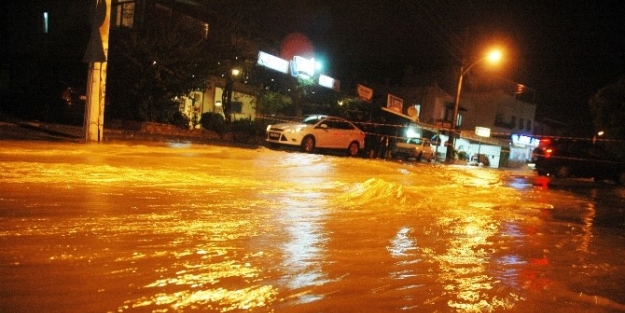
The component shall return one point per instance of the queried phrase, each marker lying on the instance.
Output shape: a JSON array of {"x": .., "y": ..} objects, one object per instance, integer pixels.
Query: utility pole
[{"x": 96, "y": 56}]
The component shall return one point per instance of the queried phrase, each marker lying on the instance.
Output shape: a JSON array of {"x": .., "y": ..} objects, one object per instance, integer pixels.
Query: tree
[
  {"x": 607, "y": 108},
  {"x": 271, "y": 103},
  {"x": 150, "y": 70}
]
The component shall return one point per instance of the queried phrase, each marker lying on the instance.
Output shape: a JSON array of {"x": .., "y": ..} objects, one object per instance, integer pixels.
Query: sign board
[
  {"x": 329, "y": 82},
  {"x": 395, "y": 104},
  {"x": 445, "y": 125},
  {"x": 364, "y": 93},
  {"x": 482, "y": 131},
  {"x": 273, "y": 62},
  {"x": 301, "y": 66},
  {"x": 524, "y": 141}
]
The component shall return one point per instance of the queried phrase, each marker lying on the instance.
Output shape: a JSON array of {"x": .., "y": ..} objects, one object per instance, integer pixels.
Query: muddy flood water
[{"x": 183, "y": 227}]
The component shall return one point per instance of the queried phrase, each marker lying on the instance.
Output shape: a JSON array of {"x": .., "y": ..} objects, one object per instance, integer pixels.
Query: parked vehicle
[
  {"x": 572, "y": 158},
  {"x": 318, "y": 132},
  {"x": 478, "y": 159},
  {"x": 414, "y": 148}
]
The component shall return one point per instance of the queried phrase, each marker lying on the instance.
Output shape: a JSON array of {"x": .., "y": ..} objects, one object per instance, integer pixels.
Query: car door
[
  {"x": 337, "y": 134},
  {"x": 322, "y": 132}
]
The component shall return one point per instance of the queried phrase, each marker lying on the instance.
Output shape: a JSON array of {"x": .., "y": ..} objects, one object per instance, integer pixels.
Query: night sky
[{"x": 564, "y": 50}]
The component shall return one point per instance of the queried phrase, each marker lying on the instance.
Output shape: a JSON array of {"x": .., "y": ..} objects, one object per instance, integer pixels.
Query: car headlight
[
  {"x": 294, "y": 130},
  {"x": 268, "y": 128}
]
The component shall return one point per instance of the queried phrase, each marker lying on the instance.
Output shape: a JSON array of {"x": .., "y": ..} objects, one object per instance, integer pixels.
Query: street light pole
[
  {"x": 493, "y": 56},
  {"x": 226, "y": 97}
]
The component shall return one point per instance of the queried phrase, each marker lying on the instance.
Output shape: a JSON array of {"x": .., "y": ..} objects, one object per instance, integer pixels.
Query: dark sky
[{"x": 564, "y": 50}]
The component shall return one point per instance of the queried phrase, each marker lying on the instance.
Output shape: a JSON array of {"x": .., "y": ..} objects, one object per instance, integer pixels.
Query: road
[{"x": 185, "y": 227}]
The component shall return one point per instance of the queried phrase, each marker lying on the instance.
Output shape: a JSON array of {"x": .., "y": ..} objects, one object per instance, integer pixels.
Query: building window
[
  {"x": 529, "y": 125},
  {"x": 123, "y": 14},
  {"x": 521, "y": 123},
  {"x": 236, "y": 107}
]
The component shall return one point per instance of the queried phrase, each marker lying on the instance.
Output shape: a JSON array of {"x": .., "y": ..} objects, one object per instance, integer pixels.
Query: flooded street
[{"x": 198, "y": 228}]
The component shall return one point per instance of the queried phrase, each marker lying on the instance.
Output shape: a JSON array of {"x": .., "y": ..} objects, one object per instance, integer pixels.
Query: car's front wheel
[
  {"x": 308, "y": 144},
  {"x": 419, "y": 157},
  {"x": 430, "y": 158},
  {"x": 353, "y": 149}
]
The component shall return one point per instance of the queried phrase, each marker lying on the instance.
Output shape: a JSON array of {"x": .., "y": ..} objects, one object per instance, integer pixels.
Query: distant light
[
  {"x": 318, "y": 66},
  {"x": 411, "y": 132},
  {"x": 45, "y": 22},
  {"x": 235, "y": 72}
]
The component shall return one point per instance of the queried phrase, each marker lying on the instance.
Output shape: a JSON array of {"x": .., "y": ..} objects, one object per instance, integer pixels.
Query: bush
[
  {"x": 179, "y": 119},
  {"x": 462, "y": 155},
  {"x": 246, "y": 130},
  {"x": 214, "y": 122}
]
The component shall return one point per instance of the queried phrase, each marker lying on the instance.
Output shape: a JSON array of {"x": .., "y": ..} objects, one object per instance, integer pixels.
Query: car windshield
[
  {"x": 416, "y": 141},
  {"x": 313, "y": 119}
]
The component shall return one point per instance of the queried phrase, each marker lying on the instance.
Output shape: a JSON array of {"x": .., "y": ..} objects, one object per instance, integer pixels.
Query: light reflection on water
[
  {"x": 464, "y": 264},
  {"x": 217, "y": 236}
]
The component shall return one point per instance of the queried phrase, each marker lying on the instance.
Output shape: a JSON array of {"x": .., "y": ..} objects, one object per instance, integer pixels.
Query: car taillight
[{"x": 548, "y": 152}]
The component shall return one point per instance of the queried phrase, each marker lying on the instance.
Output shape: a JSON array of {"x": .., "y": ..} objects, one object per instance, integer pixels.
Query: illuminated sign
[
  {"x": 273, "y": 62},
  {"x": 302, "y": 67},
  {"x": 364, "y": 93},
  {"x": 482, "y": 131},
  {"x": 395, "y": 104},
  {"x": 329, "y": 82},
  {"x": 524, "y": 141}
]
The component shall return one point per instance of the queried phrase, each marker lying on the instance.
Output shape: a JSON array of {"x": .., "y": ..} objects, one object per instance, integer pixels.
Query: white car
[
  {"x": 416, "y": 148},
  {"x": 318, "y": 131}
]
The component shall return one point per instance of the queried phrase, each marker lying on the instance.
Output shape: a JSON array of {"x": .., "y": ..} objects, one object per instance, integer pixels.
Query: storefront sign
[
  {"x": 482, "y": 131},
  {"x": 329, "y": 82},
  {"x": 273, "y": 62},
  {"x": 364, "y": 93},
  {"x": 395, "y": 104}
]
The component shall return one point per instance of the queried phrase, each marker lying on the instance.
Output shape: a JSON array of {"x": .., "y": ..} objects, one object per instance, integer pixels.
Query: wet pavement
[{"x": 186, "y": 227}]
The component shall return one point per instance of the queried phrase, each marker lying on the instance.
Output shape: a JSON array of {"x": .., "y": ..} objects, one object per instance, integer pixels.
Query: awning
[
  {"x": 428, "y": 127},
  {"x": 399, "y": 114}
]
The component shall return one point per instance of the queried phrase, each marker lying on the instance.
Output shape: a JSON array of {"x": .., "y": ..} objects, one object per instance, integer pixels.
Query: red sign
[
  {"x": 364, "y": 93},
  {"x": 395, "y": 104}
]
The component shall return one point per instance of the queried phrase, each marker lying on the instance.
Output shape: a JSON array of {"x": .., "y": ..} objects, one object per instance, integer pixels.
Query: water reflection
[
  {"x": 304, "y": 217},
  {"x": 213, "y": 275},
  {"x": 304, "y": 252},
  {"x": 403, "y": 248},
  {"x": 464, "y": 265}
]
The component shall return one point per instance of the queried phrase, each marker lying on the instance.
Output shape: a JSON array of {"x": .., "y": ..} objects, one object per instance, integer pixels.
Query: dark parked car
[{"x": 577, "y": 158}]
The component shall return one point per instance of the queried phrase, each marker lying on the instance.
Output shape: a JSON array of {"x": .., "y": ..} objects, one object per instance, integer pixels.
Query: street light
[
  {"x": 226, "y": 97},
  {"x": 493, "y": 57}
]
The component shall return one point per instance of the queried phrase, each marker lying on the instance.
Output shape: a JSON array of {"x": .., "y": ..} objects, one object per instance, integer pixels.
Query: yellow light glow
[
  {"x": 235, "y": 72},
  {"x": 494, "y": 56}
]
